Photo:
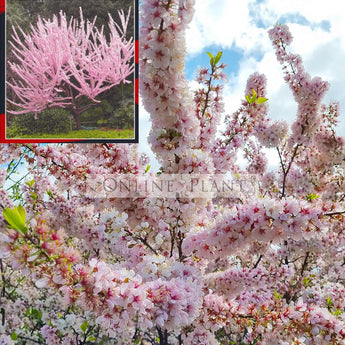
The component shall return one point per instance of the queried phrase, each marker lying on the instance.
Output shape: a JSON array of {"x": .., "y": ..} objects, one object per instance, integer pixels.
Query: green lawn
[{"x": 87, "y": 134}]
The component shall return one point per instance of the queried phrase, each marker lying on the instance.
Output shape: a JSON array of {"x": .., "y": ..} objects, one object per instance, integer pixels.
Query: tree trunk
[{"x": 77, "y": 118}]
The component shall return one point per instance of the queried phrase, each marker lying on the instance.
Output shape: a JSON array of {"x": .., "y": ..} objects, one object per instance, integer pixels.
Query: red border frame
[{"x": 3, "y": 139}]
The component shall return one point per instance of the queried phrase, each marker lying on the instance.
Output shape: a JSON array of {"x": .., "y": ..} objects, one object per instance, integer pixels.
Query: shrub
[
  {"x": 123, "y": 117},
  {"x": 50, "y": 121}
]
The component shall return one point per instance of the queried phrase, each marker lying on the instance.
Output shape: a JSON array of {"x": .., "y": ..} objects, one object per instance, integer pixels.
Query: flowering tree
[
  {"x": 264, "y": 265},
  {"x": 68, "y": 64}
]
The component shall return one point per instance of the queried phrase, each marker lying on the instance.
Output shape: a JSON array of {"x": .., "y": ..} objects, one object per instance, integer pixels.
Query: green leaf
[
  {"x": 311, "y": 196},
  {"x": 147, "y": 168},
  {"x": 249, "y": 100},
  {"x": 137, "y": 341},
  {"x": 21, "y": 212},
  {"x": 10, "y": 165},
  {"x": 83, "y": 326},
  {"x": 14, "y": 336},
  {"x": 34, "y": 196},
  {"x": 210, "y": 55},
  {"x": 218, "y": 57},
  {"x": 16, "y": 218},
  {"x": 33, "y": 313},
  {"x": 337, "y": 312},
  {"x": 329, "y": 302},
  {"x": 30, "y": 183},
  {"x": 306, "y": 281},
  {"x": 261, "y": 100},
  {"x": 91, "y": 339},
  {"x": 254, "y": 96},
  {"x": 49, "y": 193},
  {"x": 211, "y": 58},
  {"x": 277, "y": 296}
]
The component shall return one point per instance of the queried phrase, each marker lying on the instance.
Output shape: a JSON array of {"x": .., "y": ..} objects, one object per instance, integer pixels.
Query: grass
[{"x": 86, "y": 134}]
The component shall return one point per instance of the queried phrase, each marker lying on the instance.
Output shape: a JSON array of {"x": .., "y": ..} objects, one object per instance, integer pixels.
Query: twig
[
  {"x": 258, "y": 261},
  {"x": 334, "y": 213},
  {"x": 304, "y": 266},
  {"x": 286, "y": 171}
]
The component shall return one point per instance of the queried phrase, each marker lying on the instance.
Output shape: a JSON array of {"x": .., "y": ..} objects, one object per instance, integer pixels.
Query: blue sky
[
  {"x": 231, "y": 57},
  {"x": 239, "y": 29}
]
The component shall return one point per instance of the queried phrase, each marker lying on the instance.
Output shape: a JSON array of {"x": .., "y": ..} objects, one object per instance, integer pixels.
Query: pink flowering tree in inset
[
  {"x": 261, "y": 266},
  {"x": 68, "y": 64}
]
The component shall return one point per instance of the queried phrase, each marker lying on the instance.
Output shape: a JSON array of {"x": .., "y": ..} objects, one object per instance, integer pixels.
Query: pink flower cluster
[
  {"x": 250, "y": 285},
  {"x": 308, "y": 92},
  {"x": 240, "y": 126},
  {"x": 208, "y": 104},
  {"x": 273, "y": 135},
  {"x": 265, "y": 220},
  {"x": 162, "y": 84}
]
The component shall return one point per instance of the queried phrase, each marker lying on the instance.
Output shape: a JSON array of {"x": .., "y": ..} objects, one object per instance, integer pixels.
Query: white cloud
[
  {"x": 217, "y": 22},
  {"x": 317, "y": 10}
]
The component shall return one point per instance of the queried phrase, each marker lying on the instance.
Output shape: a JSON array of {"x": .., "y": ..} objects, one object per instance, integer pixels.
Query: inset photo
[{"x": 70, "y": 71}]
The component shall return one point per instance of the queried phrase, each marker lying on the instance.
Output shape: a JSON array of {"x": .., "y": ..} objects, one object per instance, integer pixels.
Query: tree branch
[{"x": 305, "y": 262}]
